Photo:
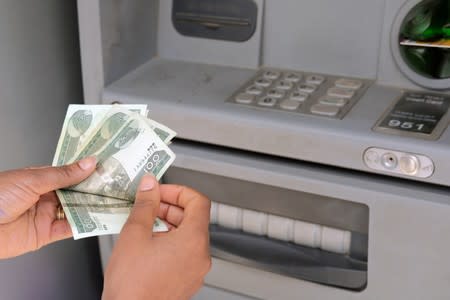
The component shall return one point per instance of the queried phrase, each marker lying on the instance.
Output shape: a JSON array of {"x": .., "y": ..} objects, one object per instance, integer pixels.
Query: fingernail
[
  {"x": 147, "y": 183},
  {"x": 87, "y": 163}
]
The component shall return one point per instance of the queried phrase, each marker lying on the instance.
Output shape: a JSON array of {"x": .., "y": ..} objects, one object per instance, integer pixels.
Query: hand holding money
[
  {"x": 28, "y": 206},
  {"x": 127, "y": 146},
  {"x": 169, "y": 266}
]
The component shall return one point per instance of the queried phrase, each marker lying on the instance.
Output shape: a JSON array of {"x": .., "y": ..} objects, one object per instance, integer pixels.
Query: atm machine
[{"x": 318, "y": 128}]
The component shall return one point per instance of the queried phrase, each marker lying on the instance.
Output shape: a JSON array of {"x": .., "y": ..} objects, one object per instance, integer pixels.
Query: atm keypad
[{"x": 293, "y": 91}]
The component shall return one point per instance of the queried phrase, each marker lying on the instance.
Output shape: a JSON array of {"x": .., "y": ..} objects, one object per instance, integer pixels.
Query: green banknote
[
  {"x": 93, "y": 215},
  {"x": 91, "y": 128},
  {"x": 132, "y": 152},
  {"x": 165, "y": 133},
  {"x": 79, "y": 123}
]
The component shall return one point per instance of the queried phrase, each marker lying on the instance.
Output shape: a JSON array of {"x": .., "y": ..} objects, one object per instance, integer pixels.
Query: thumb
[
  {"x": 47, "y": 179},
  {"x": 145, "y": 207}
]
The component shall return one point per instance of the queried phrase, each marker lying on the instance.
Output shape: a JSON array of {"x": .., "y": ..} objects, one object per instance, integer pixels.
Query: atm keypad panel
[{"x": 300, "y": 92}]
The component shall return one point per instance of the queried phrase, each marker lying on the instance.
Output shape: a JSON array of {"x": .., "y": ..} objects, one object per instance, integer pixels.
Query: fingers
[
  {"x": 46, "y": 179},
  {"x": 145, "y": 208},
  {"x": 60, "y": 230},
  {"x": 196, "y": 206},
  {"x": 170, "y": 213}
]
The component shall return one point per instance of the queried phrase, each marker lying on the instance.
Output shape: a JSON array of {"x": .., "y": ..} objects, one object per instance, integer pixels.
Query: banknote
[
  {"x": 78, "y": 125},
  {"x": 122, "y": 161},
  {"x": 93, "y": 215},
  {"x": 90, "y": 214},
  {"x": 112, "y": 121},
  {"x": 165, "y": 133}
]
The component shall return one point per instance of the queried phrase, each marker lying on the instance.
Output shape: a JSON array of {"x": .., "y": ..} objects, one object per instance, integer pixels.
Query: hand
[
  {"x": 161, "y": 265},
  {"x": 28, "y": 206}
]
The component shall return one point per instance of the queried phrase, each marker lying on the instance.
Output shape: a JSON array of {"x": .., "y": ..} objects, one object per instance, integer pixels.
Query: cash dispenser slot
[
  {"x": 231, "y": 20},
  {"x": 297, "y": 234}
]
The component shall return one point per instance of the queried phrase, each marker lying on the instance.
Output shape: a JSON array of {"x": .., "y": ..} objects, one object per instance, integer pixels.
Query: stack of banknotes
[{"x": 127, "y": 145}]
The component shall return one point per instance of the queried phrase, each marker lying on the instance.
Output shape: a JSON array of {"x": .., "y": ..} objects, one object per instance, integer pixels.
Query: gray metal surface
[
  {"x": 408, "y": 244},
  {"x": 128, "y": 33},
  {"x": 197, "y": 93},
  {"x": 321, "y": 36},
  {"x": 39, "y": 77},
  {"x": 209, "y": 293}
]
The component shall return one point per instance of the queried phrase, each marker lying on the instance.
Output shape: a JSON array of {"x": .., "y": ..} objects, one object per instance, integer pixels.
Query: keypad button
[
  {"x": 340, "y": 92},
  {"x": 267, "y": 101},
  {"x": 276, "y": 93},
  {"x": 298, "y": 96},
  {"x": 333, "y": 101},
  {"x": 307, "y": 88},
  {"x": 409, "y": 164},
  {"x": 289, "y": 104},
  {"x": 292, "y": 77},
  {"x": 269, "y": 74},
  {"x": 255, "y": 90},
  {"x": 245, "y": 98},
  {"x": 284, "y": 85},
  {"x": 315, "y": 79},
  {"x": 264, "y": 82},
  {"x": 345, "y": 83},
  {"x": 325, "y": 110}
]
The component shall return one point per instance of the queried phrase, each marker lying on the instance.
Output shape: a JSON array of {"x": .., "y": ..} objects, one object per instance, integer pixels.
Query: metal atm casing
[{"x": 131, "y": 53}]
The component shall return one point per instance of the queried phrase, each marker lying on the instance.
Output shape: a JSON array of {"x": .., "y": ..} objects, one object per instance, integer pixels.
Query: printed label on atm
[{"x": 416, "y": 114}]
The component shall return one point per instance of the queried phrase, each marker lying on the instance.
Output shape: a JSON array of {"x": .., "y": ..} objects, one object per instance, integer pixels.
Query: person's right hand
[{"x": 165, "y": 265}]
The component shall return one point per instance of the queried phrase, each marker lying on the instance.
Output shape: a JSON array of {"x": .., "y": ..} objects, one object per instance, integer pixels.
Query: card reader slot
[
  {"x": 211, "y": 21},
  {"x": 288, "y": 259},
  {"x": 231, "y": 20}
]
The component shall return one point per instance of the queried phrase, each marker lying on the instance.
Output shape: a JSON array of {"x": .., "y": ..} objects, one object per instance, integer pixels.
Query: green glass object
[
  {"x": 428, "y": 21},
  {"x": 420, "y": 59},
  {"x": 446, "y": 30},
  {"x": 444, "y": 71}
]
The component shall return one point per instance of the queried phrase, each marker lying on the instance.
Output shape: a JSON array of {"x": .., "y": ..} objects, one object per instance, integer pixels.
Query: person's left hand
[{"x": 28, "y": 206}]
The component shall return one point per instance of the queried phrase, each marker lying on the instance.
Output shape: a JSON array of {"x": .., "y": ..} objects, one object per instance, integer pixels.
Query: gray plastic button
[
  {"x": 276, "y": 93},
  {"x": 307, "y": 88},
  {"x": 340, "y": 92},
  {"x": 245, "y": 98},
  {"x": 264, "y": 82},
  {"x": 289, "y": 104},
  {"x": 284, "y": 85},
  {"x": 292, "y": 77},
  {"x": 255, "y": 90},
  {"x": 299, "y": 96},
  {"x": 325, "y": 110},
  {"x": 333, "y": 101},
  {"x": 409, "y": 164},
  {"x": 389, "y": 161},
  {"x": 345, "y": 83},
  {"x": 267, "y": 101},
  {"x": 397, "y": 162},
  {"x": 271, "y": 74},
  {"x": 315, "y": 79}
]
